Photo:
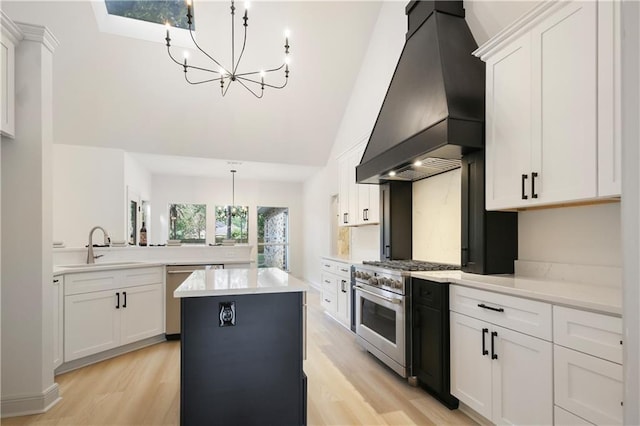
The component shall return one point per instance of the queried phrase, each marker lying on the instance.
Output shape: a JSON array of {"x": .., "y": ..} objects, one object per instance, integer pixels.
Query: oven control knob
[
  {"x": 397, "y": 285},
  {"x": 358, "y": 274},
  {"x": 373, "y": 281}
]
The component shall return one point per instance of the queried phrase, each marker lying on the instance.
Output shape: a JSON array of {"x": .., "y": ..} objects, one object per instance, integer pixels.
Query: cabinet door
[
  {"x": 91, "y": 323},
  {"x": 344, "y": 185},
  {"x": 470, "y": 366},
  {"x": 609, "y": 100},
  {"x": 141, "y": 313},
  {"x": 58, "y": 325},
  {"x": 508, "y": 121},
  {"x": 343, "y": 302},
  {"x": 355, "y": 216},
  {"x": 522, "y": 378},
  {"x": 589, "y": 387},
  {"x": 369, "y": 204},
  {"x": 564, "y": 131},
  {"x": 427, "y": 346}
]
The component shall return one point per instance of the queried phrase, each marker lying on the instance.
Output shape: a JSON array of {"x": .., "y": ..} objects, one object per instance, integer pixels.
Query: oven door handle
[{"x": 388, "y": 299}]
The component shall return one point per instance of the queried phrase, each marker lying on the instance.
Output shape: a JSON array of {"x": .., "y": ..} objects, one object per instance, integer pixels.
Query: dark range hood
[{"x": 434, "y": 108}]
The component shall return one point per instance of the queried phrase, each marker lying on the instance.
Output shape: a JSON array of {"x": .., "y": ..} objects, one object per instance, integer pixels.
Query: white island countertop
[{"x": 220, "y": 282}]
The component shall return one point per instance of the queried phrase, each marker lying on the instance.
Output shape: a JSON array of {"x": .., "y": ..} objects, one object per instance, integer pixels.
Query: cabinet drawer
[
  {"x": 343, "y": 269},
  {"x": 329, "y": 285},
  {"x": 326, "y": 265},
  {"x": 427, "y": 293},
  {"x": 596, "y": 334},
  {"x": 587, "y": 386},
  {"x": 142, "y": 276},
  {"x": 523, "y": 315},
  {"x": 89, "y": 282},
  {"x": 564, "y": 418}
]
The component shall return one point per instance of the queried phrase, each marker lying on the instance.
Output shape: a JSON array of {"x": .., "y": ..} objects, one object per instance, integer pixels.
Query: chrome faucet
[{"x": 90, "y": 257}]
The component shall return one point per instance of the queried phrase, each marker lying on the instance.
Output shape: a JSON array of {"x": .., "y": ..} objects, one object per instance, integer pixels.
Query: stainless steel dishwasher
[{"x": 176, "y": 274}]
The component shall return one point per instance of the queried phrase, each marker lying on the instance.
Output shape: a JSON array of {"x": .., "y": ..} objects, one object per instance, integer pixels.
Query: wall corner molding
[
  {"x": 10, "y": 29},
  {"x": 39, "y": 34},
  {"x": 23, "y": 405}
]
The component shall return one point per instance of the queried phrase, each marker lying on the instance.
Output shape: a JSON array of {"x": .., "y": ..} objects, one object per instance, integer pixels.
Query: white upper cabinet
[
  {"x": 359, "y": 204},
  {"x": 552, "y": 117},
  {"x": 10, "y": 36}
]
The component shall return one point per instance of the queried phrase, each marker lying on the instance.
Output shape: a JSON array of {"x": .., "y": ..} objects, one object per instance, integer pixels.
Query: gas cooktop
[{"x": 411, "y": 265}]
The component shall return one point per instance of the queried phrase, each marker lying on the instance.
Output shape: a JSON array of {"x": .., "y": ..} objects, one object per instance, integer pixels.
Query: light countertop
[
  {"x": 600, "y": 298},
  {"x": 219, "y": 282}
]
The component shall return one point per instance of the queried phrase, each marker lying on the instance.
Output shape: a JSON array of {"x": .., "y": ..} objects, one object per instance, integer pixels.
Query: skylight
[
  {"x": 157, "y": 11},
  {"x": 144, "y": 19}
]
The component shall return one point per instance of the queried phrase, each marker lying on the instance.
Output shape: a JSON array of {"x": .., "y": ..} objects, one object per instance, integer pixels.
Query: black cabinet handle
[
  {"x": 465, "y": 256},
  {"x": 534, "y": 175},
  {"x": 524, "y": 178},
  {"x": 494, "y": 355},
  {"x": 327, "y": 300},
  {"x": 387, "y": 250},
  {"x": 483, "y": 306},
  {"x": 56, "y": 281},
  {"x": 117, "y": 300},
  {"x": 343, "y": 286},
  {"x": 344, "y": 217},
  {"x": 124, "y": 293},
  {"x": 484, "y": 347}
]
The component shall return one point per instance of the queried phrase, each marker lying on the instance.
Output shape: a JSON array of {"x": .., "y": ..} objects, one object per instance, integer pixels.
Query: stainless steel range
[{"x": 381, "y": 306}]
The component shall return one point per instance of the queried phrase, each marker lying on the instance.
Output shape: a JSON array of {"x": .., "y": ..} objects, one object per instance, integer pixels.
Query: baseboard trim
[
  {"x": 111, "y": 353},
  {"x": 30, "y": 404},
  {"x": 474, "y": 415}
]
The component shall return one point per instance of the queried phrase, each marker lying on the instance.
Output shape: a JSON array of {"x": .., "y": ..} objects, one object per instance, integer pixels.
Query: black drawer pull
[
  {"x": 524, "y": 196},
  {"x": 327, "y": 300},
  {"x": 483, "y": 306},
  {"x": 534, "y": 175},
  {"x": 124, "y": 293},
  {"x": 494, "y": 355},
  {"x": 117, "y": 300},
  {"x": 484, "y": 348}
]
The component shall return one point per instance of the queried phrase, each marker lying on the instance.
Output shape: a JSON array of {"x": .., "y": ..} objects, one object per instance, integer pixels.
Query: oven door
[{"x": 380, "y": 321}]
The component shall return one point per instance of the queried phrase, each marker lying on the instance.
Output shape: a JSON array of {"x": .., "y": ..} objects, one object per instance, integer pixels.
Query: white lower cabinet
[
  {"x": 140, "y": 317},
  {"x": 336, "y": 289},
  {"x": 104, "y": 310},
  {"x": 92, "y": 324},
  {"x": 564, "y": 418},
  {"x": 57, "y": 320},
  {"x": 504, "y": 375},
  {"x": 587, "y": 352}
]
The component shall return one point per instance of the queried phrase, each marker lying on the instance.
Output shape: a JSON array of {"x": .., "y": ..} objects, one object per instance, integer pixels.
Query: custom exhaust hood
[{"x": 433, "y": 112}]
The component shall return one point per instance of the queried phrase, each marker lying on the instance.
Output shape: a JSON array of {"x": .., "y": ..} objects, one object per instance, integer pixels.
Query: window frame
[
  {"x": 285, "y": 244},
  {"x": 188, "y": 240}
]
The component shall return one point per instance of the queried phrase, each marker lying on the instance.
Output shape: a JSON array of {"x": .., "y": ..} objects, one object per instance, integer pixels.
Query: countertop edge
[
  {"x": 554, "y": 299},
  {"x": 237, "y": 292},
  {"x": 61, "y": 270}
]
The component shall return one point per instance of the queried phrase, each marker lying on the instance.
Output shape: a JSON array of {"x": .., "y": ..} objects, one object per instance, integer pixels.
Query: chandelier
[{"x": 229, "y": 74}]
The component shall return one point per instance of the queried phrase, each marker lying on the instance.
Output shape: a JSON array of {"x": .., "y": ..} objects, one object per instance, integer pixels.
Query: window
[
  {"x": 188, "y": 223},
  {"x": 157, "y": 11},
  {"x": 232, "y": 224},
  {"x": 273, "y": 237}
]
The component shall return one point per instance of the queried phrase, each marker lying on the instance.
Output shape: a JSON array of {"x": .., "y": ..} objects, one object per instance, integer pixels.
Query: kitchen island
[{"x": 242, "y": 347}]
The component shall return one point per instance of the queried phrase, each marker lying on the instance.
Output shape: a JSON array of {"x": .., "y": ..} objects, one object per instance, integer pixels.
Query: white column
[
  {"x": 27, "y": 358},
  {"x": 631, "y": 207}
]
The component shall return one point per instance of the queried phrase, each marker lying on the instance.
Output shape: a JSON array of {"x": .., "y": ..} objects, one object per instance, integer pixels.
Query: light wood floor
[{"x": 346, "y": 386}]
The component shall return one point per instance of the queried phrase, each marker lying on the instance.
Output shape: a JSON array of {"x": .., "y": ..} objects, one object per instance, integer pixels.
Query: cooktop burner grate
[{"x": 412, "y": 265}]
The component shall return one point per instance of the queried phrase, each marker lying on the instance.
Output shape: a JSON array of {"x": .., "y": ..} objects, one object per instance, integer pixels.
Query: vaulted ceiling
[{"x": 120, "y": 92}]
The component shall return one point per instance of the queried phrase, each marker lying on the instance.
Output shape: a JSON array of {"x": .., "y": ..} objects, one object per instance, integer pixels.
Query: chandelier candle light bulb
[{"x": 246, "y": 79}]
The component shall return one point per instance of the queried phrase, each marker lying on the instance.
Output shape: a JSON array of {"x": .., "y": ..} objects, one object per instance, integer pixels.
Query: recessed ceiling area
[{"x": 119, "y": 92}]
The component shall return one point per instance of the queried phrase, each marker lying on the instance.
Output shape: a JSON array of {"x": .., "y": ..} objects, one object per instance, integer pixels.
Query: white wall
[
  {"x": 362, "y": 110},
  {"x": 217, "y": 192},
  {"x": 437, "y": 218},
  {"x": 88, "y": 190},
  {"x": 137, "y": 177}
]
